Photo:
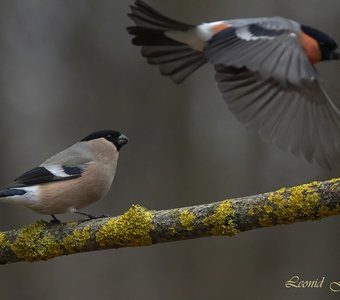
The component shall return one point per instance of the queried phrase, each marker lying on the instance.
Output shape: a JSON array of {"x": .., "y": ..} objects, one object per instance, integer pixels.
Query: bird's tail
[
  {"x": 8, "y": 195},
  {"x": 175, "y": 59}
]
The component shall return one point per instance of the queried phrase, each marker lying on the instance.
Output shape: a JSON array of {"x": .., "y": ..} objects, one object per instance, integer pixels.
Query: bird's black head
[
  {"x": 326, "y": 43},
  {"x": 115, "y": 137}
]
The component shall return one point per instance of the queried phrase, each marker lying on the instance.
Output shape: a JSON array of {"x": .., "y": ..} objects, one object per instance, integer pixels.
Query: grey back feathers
[
  {"x": 76, "y": 155},
  {"x": 255, "y": 47}
]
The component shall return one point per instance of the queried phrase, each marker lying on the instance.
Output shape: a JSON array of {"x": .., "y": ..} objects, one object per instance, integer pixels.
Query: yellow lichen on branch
[
  {"x": 77, "y": 240},
  {"x": 33, "y": 244},
  {"x": 141, "y": 227},
  {"x": 187, "y": 219},
  {"x": 292, "y": 204},
  {"x": 131, "y": 229},
  {"x": 222, "y": 220}
]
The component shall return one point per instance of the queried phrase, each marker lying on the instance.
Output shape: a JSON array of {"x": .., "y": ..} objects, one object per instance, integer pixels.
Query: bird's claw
[
  {"x": 54, "y": 220},
  {"x": 92, "y": 217}
]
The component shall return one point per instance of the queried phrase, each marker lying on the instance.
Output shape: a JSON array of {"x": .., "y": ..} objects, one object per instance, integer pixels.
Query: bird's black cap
[
  {"x": 326, "y": 43},
  {"x": 113, "y": 136}
]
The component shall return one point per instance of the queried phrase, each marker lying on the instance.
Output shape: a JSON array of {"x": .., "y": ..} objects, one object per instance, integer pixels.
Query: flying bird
[
  {"x": 265, "y": 70},
  {"x": 71, "y": 179}
]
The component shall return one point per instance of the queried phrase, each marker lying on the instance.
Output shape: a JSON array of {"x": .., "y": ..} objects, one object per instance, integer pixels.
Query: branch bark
[{"x": 141, "y": 227}]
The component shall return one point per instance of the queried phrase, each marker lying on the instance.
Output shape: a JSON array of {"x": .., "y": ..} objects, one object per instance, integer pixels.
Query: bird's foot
[
  {"x": 54, "y": 220},
  {"x": 89, "y": 216}
]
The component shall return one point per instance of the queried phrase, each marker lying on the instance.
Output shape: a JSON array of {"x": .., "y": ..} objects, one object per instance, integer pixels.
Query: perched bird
[
  {"x": 70, "y": 180},
  {"x": 264, "y": 70}
]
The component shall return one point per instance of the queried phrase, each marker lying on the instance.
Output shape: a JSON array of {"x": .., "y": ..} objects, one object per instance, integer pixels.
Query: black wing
[{"x": 40, "y": 175}]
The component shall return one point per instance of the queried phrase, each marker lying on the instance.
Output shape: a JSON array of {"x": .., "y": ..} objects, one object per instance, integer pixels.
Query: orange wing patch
[
  {"x": 220, "y": 26},
  {"x": 311, "y": 48}
]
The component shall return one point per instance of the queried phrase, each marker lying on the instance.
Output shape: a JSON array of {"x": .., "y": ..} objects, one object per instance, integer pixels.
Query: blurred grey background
[{"x": 68, "y": 68}]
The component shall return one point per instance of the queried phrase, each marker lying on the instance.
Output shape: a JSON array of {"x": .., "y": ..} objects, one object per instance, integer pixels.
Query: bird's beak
[{"x": 122, "y": 140}]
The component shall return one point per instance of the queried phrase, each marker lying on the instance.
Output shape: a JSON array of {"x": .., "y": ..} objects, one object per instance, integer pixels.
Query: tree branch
[{"x": 141, "y": 227}]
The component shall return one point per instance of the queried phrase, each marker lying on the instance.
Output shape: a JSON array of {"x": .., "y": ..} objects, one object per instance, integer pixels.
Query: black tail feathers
[
  {"x": 174, "y": 58},
  {"x": 145, "y": 16}
]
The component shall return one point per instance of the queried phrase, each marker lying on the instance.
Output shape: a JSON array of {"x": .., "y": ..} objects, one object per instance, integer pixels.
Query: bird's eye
[{"x": 109, "y": 137}]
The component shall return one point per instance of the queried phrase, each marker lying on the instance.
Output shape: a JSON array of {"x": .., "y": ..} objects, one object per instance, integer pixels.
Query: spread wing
[
  {"x": 301, "y": 119},
  {"x": 272, "y": 47}
]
